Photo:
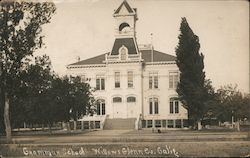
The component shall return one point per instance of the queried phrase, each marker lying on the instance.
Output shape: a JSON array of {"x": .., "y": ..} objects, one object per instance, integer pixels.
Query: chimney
[{"x": 78, "y": 58}]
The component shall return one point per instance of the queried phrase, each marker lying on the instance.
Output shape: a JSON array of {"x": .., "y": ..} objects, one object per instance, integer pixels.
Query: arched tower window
[{"x": 123, "y": 26}]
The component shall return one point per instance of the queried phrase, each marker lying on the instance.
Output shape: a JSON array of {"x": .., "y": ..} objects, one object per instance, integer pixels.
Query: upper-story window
[
  {"x": 173, "y": 79},
  {"x": 130, "y": 79},
  {"x": 174, "y": 106},
  {"x": 153, "y": 80},
  {"x": 100, "y": 82},
  {"x": 153, "y": 106},
  {"x": 131, "y": 99},
  {"x": 117, "y": 80},
  {"x": 117, "y": 100}
]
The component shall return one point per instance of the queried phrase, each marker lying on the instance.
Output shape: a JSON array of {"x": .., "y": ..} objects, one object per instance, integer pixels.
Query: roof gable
[{"x": 123, "y": 6}]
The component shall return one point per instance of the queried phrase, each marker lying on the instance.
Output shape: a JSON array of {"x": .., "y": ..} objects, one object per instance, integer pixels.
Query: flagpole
[
  {"x": 152, "y": 59},
  {"x": 152, "y": 49}
]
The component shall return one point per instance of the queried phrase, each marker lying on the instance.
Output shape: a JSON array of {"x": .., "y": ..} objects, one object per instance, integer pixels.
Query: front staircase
[{"x": 119, "y": 124}]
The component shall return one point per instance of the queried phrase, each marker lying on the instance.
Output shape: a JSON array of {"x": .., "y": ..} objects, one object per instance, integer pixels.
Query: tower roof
[
  {"x": 126, "y": 5},
  {"x": 129, "y": 43}
]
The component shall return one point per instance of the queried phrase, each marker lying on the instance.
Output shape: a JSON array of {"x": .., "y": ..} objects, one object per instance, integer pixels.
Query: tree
[
  {"x": 81, "y": 98},
  {"x": 193, "y": 89},
  {"x": 232, "y": 103},
  {"x": 20, "y": 36},
  {"x": 44, "y": 98},
  {"x": 36, "y": 80},
  {"x": 68, "y": 98}
]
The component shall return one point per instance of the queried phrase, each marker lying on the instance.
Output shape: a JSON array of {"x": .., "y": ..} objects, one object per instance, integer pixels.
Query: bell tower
[
  {"x": 125, "y": 43},
  {"x": 125, "y": 20}
]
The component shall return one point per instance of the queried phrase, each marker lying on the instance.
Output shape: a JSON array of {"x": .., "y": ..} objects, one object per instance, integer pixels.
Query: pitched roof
[
  {"x": 157, "y": 56},
  {"x": 94, "y": 60},
  {"x": 125, "y": 3},
  {"x": 146, "y": 55},
  {"x": 129, "y": 43}
]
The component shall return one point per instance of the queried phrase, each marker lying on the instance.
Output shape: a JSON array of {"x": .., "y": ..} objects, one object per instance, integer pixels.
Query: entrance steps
[{"x": 119, "y": 123}]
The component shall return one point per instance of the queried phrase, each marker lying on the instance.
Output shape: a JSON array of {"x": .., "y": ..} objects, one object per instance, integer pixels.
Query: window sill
[
  {"x": 154, "y": 114},
  {"x": 174, "y": 113},
  {"x": 117, "y": 88},
  {"x": 131, "y": 88},
  {"x": 100, "y": 90},
  {"x": 154, "y": 89}
]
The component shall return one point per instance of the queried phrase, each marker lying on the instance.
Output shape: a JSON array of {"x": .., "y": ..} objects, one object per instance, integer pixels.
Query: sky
[{"x": 85, "y": 28}]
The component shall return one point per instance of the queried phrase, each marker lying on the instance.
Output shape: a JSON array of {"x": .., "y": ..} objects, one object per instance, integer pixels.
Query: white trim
[
  {"x": 85, "y": 66},
  {"x": 160, "y": 63}
]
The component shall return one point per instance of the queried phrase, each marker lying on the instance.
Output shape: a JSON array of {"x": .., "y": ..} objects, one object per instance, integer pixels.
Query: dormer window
[{"x": 123, "y": 52}]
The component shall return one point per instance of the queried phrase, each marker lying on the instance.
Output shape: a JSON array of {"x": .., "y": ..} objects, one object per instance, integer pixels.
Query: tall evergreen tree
[{"x": 192, "y": 88}]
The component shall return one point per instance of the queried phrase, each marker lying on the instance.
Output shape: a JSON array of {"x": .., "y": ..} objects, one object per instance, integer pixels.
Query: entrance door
[{"x": 119, "y": 110}]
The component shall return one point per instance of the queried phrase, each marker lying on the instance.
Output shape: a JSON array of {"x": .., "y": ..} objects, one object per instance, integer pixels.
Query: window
[
  {"x": 150, "y": 82},
  {"x": 117, "y": 79},
  {"x": 123, "y": 52},
  {"x": 86, "y": 124},
  {"x": 100, "y": 110},
  {"x": 177, "y": 123},
  {"x": 156, "y": 107},
  {"x": 117, "y": 99},
  {"x": 150, "y": 107},
  {"x": 144, "y": 124},
  {"x": 123, "y": 25},
  {"x": 149, "y": 123},
  {"x": 157, "y": 123},
  {"x": 153, "y": 106},
  {"x": 100, "y": 83},
  {"x": 130, "y": 79},
  {"x": 153, "y": 80},
  {"x": 97, "y": 124},
  {"x": 170, "y": 123},
  {"x": 171, "y": 107},
  {"x": 131, "y": 99},
  {"x": 173, "y": 79},
  {"x": 174, "y": 106},
  {"x": 185, "y": 123}
]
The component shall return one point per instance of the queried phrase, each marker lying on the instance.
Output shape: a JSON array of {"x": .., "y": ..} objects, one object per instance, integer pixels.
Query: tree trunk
[
  {"x": 199, "y": 125},
  {"x": 75, "y": 125},
  {"x": 50, "y": 130},
  {"x": 7, "y": 118}
]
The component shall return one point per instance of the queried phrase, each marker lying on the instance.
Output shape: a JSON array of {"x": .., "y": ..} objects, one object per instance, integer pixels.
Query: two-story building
[{"x": 135, "y": 85}]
